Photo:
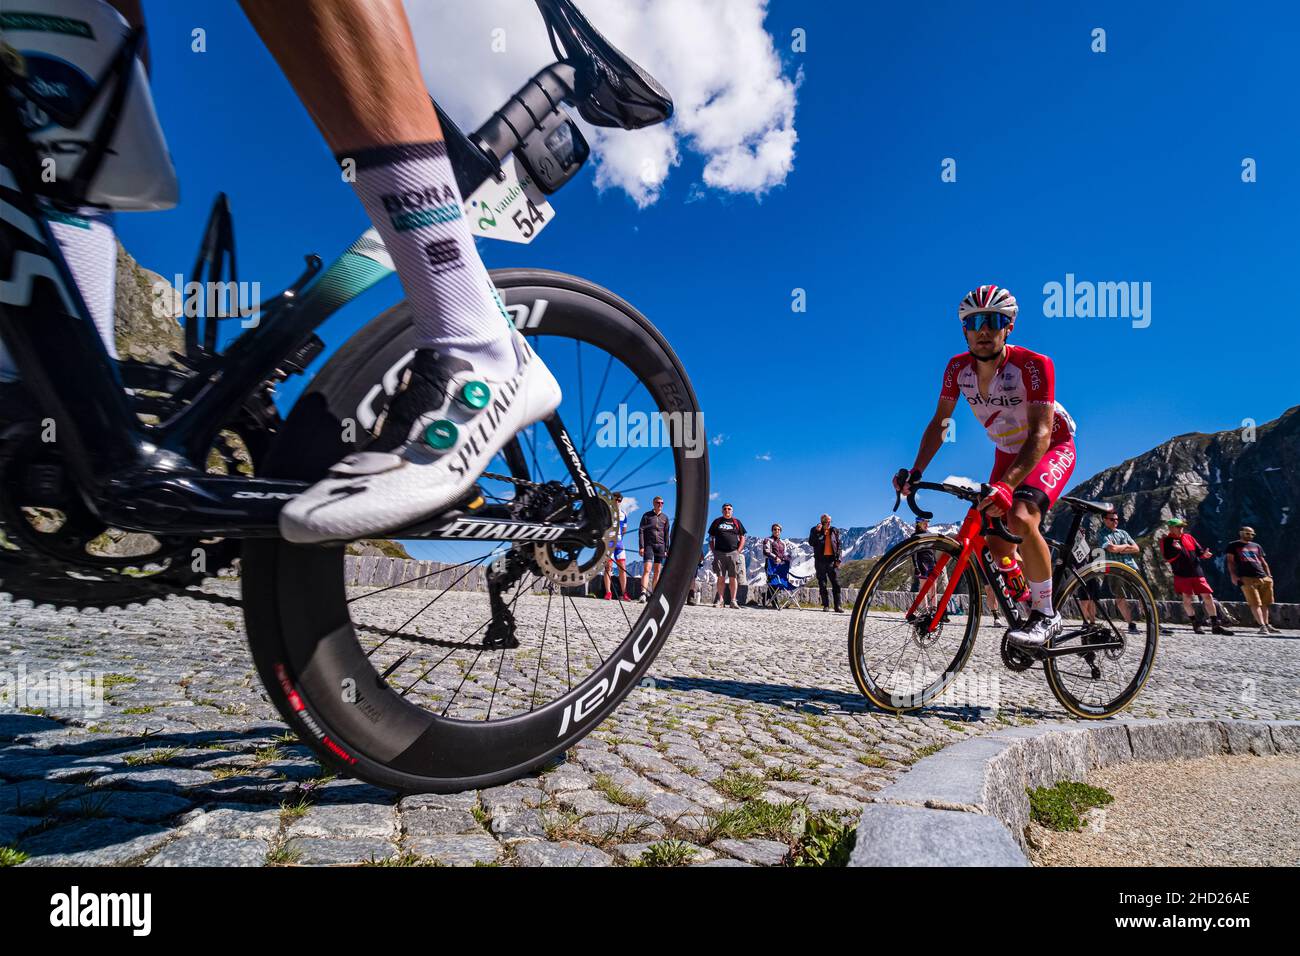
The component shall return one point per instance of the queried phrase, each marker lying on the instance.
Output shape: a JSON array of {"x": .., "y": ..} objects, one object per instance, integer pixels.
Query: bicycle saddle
[
  {"x": 1095, "y": 507},
  {"x": 616, "y": 91}
]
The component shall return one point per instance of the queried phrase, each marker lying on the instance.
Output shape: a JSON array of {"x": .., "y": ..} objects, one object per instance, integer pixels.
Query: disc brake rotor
[{"x": 563, "y": 563}]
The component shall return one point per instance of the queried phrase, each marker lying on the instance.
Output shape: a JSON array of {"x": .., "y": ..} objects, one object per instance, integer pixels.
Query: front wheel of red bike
[{"x": 898, "y": 660}]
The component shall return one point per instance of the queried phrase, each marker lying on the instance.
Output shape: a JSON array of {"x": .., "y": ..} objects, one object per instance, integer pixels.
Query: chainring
[
  {"x": 44, "y": 556},
  {"x": 1015, "y": 659}
]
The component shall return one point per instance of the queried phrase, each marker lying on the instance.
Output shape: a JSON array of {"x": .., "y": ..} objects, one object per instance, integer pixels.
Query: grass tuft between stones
[{"x": 1061, "y": 807}]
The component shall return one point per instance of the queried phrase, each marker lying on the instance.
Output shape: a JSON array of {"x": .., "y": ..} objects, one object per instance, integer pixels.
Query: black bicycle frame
[{"x": 144, "y": 477}]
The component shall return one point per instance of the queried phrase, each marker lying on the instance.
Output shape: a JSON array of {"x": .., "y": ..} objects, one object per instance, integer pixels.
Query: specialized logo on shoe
[
  {"x": 416, "y": 208},
  {"x": 478, "y": 435}
]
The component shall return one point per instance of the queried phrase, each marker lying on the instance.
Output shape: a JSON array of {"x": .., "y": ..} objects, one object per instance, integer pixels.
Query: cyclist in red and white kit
[{"x": 1012, "y": 392}]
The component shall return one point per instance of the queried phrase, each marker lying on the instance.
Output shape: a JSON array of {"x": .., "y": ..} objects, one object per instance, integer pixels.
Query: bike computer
[{"x": 554, "y": 152}]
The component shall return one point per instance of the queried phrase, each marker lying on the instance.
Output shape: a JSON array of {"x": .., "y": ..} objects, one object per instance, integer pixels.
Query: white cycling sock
[
  {"x": 411, "y": 195},
  {"x": 1040, "y": 596},
  {"x": 89, "y": 246}
]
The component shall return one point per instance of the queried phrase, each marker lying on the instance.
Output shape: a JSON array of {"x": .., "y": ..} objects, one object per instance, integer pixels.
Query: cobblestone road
[{"x": 750, "y": 727}]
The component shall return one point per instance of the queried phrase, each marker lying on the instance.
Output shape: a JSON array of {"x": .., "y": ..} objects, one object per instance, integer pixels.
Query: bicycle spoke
[
  {"x": 586, "y": 431},
  {"x": 542, "y": 650},
  {"x": 619, "y": 484}
]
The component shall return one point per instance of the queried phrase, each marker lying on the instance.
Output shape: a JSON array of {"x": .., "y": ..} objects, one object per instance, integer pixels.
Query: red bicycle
[{"x": 914, "y": 623}]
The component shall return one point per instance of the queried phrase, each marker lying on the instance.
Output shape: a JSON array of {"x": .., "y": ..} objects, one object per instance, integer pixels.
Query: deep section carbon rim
[
  {"x": 410, "y": 685},
  {"x": 1110, "y": 606}
]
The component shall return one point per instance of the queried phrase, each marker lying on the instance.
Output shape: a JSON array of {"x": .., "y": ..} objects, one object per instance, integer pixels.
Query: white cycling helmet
[{"x": 988, "y": 298}]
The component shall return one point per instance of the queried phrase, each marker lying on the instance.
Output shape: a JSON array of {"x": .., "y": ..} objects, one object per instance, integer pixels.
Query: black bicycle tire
[
  {"x": 974, "y": 608},
  {"x": 294, "y": 636},
  {"x": 1068, "y": 700}
]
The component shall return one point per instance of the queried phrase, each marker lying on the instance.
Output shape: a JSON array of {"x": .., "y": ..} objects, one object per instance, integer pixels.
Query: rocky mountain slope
[{"x": 1218, "y": 482}]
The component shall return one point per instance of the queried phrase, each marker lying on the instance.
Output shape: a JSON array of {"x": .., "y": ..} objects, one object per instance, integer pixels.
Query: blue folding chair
[{"x": 782, "y": 585}]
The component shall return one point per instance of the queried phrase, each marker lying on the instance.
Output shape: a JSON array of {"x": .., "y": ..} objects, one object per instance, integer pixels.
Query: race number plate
[
  {"x": 514, "y": 209},
  {"x": 1081, "y": 551}
]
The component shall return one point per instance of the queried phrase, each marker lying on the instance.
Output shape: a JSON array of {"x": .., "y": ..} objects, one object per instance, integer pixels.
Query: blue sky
[{"x": 1120, "y": 166}]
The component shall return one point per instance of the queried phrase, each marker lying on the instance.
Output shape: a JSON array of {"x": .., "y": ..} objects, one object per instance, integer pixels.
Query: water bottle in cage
[{"x": 1014, "y": 578}]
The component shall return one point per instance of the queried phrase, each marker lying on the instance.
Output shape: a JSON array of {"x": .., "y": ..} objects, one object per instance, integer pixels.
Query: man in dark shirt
[
  {"x": 727, "y": 538},
  {"x": 1184, "y": 554},
  {"x": 1249, "y": 571},
  {"x": 825, "y": 542},
  {"x": 653, "y": 534}
]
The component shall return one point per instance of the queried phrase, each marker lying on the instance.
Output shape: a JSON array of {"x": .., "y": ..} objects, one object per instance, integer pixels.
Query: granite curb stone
[{"x": 989, "y": 776}]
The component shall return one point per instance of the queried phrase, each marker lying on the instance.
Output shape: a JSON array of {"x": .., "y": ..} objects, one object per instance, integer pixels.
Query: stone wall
[{"x": 380, "y": 572}]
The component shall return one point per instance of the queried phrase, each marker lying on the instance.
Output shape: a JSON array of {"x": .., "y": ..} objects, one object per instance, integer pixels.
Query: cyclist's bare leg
[
  {"x": 1024, "y": 520},
  {"x": 354, "y": 64}
]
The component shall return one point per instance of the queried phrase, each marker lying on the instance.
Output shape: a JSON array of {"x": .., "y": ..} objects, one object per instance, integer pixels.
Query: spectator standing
[
  {"x": 1117, "y": 545},
  {"x": 825, "y": 542},
  {"x": 1184, "y": 553},
  {"x": 1250, "y": 571},
  {"x": 727, "y": 539},
  {"x": 653, "y": 536},
  {"x": 618, "y": 555}
]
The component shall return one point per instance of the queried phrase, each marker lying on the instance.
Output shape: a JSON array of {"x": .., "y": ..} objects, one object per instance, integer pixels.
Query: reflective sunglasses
[{"x": 986, "y": 320}]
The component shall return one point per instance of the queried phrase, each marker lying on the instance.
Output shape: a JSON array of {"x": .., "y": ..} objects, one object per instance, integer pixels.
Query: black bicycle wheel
[
  {"x": 897, "y": 661},
  {"x": 1107, "y": 603},
  {"x": 425, "y": 701}
]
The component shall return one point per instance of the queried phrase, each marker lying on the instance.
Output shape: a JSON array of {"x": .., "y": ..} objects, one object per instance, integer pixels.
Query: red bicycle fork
[{"x": 971, "y": 542}]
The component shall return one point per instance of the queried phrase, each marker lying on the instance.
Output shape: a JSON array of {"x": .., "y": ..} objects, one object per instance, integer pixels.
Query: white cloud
[
  {"x": 766, "y": 456},
  {"x": 717, "y": 439},
  {"x": 734, "y": 107}
]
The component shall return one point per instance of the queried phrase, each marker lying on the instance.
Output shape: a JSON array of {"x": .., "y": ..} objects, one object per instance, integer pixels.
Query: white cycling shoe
[
  {"x": 1037, "y": 631},
  {"x": 438, "y": 435}
]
